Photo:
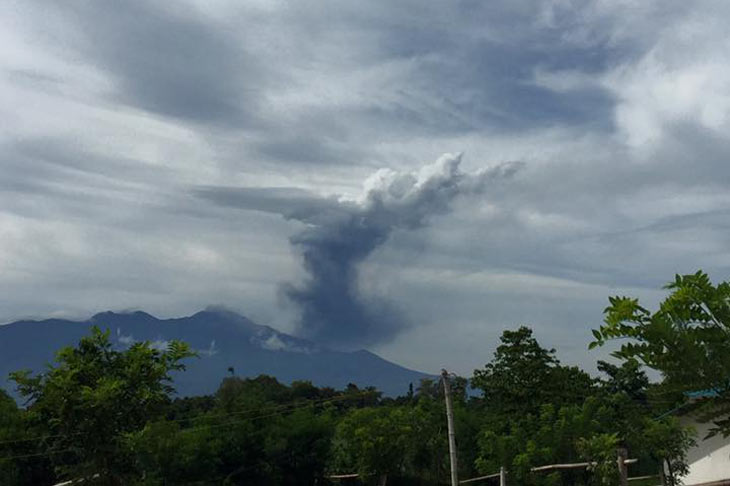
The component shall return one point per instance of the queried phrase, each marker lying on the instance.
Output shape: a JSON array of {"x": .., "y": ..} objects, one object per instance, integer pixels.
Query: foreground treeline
[
  {"x": 106, "y": 414},
  {"x": 103, "y": 411}
]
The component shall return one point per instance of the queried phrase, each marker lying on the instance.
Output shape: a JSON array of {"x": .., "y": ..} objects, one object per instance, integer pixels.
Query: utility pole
[
  {"x": 502, "y": 476},
  {"x": 450, "y": 423}
]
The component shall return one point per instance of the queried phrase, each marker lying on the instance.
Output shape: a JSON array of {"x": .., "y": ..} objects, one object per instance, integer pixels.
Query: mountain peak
[
  {"x": 221, "y": 315},
  {"x": 138, "y": 315},
  {"x": 222, "y": 311}
]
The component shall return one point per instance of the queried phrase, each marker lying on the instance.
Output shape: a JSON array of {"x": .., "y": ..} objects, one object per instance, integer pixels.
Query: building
[{"x": 709, "y": 460}]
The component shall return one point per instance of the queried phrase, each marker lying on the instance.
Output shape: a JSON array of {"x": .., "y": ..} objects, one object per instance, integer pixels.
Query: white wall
[{"x": 709, "y": 460}]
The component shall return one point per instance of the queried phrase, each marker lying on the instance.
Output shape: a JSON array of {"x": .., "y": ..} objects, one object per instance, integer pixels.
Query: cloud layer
[{"x": 112, "y": 116}]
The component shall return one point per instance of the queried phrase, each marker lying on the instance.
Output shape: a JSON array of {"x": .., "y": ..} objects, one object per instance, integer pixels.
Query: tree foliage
[
  {"x": 93, "y": 396},
  {"x": 600, "y": 449},
  {"x": 687, "y": 339},
  {"x": 669, "y": 442},
  {"x": 523, "y": 376}
]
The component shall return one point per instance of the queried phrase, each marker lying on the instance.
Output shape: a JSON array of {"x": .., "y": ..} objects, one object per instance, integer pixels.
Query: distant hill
[{"x": 222, "y": 338}]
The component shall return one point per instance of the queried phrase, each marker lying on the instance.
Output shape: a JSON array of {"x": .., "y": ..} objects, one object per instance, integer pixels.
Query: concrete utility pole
[
  {"x": 502, "y": 477},
  {"x": 450, "y": 423}
]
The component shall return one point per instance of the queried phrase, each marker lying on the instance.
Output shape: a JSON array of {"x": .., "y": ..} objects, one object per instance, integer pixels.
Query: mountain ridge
[{"x": 222, "y": 338}]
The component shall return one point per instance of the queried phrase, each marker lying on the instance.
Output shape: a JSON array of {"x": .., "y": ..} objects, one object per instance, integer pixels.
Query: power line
[
  {"x": 47, "y": 453},
  {"x": 288, "y": 407},
  {"x": 275, "y": 407},
  {"x": 226, "y": 424}
]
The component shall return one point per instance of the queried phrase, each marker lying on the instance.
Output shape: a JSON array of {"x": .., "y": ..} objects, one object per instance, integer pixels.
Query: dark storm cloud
[
  {"x": 341, "y": 234},
  {"x": 169, "y": 60}
]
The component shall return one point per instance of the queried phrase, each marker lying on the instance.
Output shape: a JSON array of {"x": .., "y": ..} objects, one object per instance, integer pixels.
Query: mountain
[{"x": 222, "y": 339}]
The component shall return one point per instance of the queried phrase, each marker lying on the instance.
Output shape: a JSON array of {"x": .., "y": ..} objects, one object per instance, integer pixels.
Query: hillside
[{"x": 223, "y": 339}]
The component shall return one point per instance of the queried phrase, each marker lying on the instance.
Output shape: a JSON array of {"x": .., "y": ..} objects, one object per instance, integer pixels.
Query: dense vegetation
[{"x": 106, "y": 415}]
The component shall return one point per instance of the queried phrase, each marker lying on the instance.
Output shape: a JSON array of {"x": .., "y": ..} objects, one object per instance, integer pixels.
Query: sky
[{"x": 410, "y": 177}]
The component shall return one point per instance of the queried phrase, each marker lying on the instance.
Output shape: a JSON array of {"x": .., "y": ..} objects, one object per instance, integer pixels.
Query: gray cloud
[
  {"x": 168, "y": 60},
  {"x": 341, "y": 234}
]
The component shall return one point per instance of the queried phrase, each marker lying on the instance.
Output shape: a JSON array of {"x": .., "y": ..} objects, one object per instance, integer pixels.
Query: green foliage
[
  {"x": 298, "y": 445},
  {"x": 93, "y": 397},
  {"x": 374, "y": 441},
  {"x": 628, "y": 379},
  {"x": 600, "y": 449},
  {"x": 548, "y": 437},
  {"x": 523, "y": 376},
  {"x": 165, "y": 453},
  {"x": 514, "y": 381},
  {"x": 11, "y": 428},
  {"x": 687, "y": 339},
  {"x": 19, "y": 463},
  {"x": 534, "y": 409},
  {"x": 536, "y": 412},
  {"x": 668, "y": 441}
]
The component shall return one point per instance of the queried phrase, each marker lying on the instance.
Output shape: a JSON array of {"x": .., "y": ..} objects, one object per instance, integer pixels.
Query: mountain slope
[{"x": 223, "y": 339}]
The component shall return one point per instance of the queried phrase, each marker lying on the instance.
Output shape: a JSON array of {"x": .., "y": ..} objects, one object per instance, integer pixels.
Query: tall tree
[
  {"x": 515, "y": 379},
  {"x": 523, "y": 376},
  {"x": 93, "y": 396}
]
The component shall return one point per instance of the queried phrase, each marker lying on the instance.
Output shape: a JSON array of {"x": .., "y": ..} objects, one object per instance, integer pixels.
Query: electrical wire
[{"x": 282, "y": 408}]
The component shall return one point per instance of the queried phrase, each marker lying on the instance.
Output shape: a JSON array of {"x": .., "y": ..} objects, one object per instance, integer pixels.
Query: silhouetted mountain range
[{"x": 222, "y": 338}]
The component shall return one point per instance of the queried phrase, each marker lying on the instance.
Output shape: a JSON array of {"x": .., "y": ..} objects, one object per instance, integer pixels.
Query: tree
[
  {"x": 93, "y": 397},
  {"x": 523, "y": 376},
  {"x": 515, "y": 379},
  {"x": 549, "y": 437},
  {"x": 668, "y": 443},
  {"x": 374, "y": 442},
  {"x": 687, "y": 339},
  {"x": 236, "y": 393},
  {"x": 534, "y": 410},
  {"x": 601, "y": 450},
  {"x": 11, "y": 430},
  {"x": 628, "y": 378},
  {"x": 297, "y": 447},
  {"x": 168, "y": 454}
]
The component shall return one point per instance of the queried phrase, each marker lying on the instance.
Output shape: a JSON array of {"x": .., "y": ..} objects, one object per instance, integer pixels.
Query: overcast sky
[{"x": 167, "y": 156}]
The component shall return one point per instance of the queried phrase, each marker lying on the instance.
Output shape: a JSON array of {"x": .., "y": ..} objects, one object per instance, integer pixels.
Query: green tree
[
  {"x": 668, "y": 442},
  {"x": 11, "y": 431},
  {"x": 93, "y": 397},
  {"x": 297, "y": 446},
  {"x": 374, "y": 442},
  {"x": 687, "y": 339},
  {"x": 237, "y": 393},
  {"x": 549, "y": 437},
  {"x": 516, "y": 378},
  {"x": 167, "y": 454},
  {"x": 627, "y": 378},
  {"x": 601, "y": 450},
  {"x": 523, "y": 376}
]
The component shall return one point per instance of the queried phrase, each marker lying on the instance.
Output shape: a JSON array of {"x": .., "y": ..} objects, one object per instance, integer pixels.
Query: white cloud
[{"x": 683, "y": 78}]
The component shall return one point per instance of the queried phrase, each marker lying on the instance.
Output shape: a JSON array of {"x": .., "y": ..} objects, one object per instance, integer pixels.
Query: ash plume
[{"x": 342, "y": 233}]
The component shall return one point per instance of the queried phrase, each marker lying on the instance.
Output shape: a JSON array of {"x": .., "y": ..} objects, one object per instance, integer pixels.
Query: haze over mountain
[{"x": 222, "y": 339}]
